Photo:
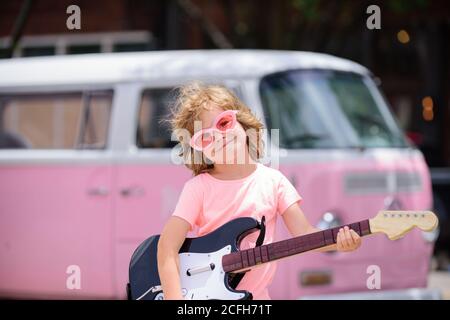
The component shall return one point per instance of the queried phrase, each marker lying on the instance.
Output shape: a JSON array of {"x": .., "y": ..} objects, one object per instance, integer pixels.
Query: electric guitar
[{"x": 208, "y": 264}]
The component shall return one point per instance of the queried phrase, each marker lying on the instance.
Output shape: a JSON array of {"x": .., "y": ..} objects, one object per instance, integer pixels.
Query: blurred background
[{"x": 409, "y": 55}]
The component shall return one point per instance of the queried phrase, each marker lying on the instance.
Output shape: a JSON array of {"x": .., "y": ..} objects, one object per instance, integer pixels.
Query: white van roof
[{"x": 162, "y": 65}]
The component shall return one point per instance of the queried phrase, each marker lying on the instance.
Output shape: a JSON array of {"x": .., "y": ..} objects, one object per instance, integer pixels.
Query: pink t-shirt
[{"x": 207, "y": 203}]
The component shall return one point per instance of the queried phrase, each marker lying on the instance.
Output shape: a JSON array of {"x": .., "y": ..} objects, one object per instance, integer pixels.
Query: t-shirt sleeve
[
  {"x": 189, "y": 203},
  {"x": 287, "y": 195}
]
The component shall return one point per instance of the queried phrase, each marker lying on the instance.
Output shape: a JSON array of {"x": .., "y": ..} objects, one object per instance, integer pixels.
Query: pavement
[{"x": 440, "y": 280}]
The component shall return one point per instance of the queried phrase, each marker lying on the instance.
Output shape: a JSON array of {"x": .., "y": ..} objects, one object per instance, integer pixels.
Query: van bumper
[{"x": 404, "y": 294}]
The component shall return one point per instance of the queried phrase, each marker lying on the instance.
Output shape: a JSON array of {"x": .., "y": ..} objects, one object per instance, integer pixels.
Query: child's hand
[{"x": 347, "y": 240}]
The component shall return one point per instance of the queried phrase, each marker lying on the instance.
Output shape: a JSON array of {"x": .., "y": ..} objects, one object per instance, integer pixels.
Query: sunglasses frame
[{"x": 213, "y": 128}]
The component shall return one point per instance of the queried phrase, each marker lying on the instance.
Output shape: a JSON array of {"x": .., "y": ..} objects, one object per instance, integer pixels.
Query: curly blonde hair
[{"x": 195, "y": 97}]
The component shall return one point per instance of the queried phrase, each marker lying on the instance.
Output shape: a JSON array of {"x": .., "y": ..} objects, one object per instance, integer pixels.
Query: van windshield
[{"x": 328, "y": 109}]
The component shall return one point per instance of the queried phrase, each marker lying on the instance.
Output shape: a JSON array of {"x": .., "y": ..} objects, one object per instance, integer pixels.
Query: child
[{"x": 228, "y": 183}]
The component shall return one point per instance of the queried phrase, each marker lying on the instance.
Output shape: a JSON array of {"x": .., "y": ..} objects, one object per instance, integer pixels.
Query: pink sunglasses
[{"x": 203, "y": 138}]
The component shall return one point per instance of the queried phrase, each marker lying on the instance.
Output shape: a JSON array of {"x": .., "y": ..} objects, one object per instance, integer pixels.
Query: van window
[
  {"x": 75, "y": 120},
  {"x": 153, "y": 131},
  {"x": 155, "y": 106},
  {"x": 327, "y": 109}
]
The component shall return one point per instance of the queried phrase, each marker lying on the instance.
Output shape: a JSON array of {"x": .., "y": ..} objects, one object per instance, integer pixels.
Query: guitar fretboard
[{"x": 266, "y": 253}]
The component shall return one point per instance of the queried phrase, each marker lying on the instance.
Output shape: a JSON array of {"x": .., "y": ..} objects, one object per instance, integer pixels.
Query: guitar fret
[
  {"x": 307, "y": 243},
  {"x": 298, "y": 245},
  {"x": 244, "y": 259},
  {"x": 231, "y": 262},
  {"x": 237, "y": 261},
  {"x": 269, "y": 252},
  {"x": 292, "y": 246},
  {"x": 328, "y": 235},
  {"x": 241, "y": 258},
  {"x": 264, "y": 253},
  {"x": 322, "y": 239},
  {"x": 284, "y": 249},
  {"x": 318, "y": 238},
  {"x": 258, "y": 255},
  {"x": 356, "y": 228},
  {"x": 251, "y": 257},
  {"x": 335, "y": 232}
]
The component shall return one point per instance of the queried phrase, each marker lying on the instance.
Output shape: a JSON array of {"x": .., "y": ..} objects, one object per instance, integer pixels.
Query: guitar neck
[{"x": 245, "y": 259}]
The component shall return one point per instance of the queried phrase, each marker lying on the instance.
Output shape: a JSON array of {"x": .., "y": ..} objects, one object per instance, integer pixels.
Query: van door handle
[
  {"x": 134, "y": 191},
  {"x": 99, "y": 191}
]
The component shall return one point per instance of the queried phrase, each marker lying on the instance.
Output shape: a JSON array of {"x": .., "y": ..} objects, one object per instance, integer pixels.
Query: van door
[
  {"x": 149, "y": 176},
  {"x": 55, "y": 201},
  {"x": 147, "y": 182}
]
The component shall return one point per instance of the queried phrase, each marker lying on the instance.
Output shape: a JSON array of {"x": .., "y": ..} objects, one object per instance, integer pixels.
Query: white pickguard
[{"x": 207, "y": 284}]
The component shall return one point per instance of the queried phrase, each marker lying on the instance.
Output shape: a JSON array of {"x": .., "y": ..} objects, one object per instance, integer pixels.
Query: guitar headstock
[{"x": 396, "y": 223}]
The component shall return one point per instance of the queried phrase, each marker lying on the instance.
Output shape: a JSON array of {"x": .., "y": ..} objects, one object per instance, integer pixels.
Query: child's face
[{"x": 226, "y": 148}]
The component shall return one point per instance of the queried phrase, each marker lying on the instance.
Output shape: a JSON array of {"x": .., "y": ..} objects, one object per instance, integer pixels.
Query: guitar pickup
[{"x": 196, "y": 270}]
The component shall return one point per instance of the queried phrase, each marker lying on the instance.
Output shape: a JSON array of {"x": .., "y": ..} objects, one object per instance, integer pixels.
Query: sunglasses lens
[
  {"x": 207, "y": 138},
  {"x": 226, "y": 122}
]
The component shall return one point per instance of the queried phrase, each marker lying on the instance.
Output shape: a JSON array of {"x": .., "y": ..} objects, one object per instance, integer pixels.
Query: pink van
[{"x": 87, "y": 171}]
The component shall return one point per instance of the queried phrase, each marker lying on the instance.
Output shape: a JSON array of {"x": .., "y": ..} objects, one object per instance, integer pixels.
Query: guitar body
[
  {"x": 203, "y": 260},
  {"x": 201, "y": 272}
]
